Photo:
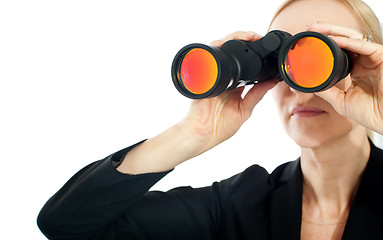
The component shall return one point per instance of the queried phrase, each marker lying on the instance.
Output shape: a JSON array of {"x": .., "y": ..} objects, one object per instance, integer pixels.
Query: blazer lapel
[
  {"x": 286, "y": 204},
  {"x": 366, "y": 213},
  {"x": 365, "y": 219}
]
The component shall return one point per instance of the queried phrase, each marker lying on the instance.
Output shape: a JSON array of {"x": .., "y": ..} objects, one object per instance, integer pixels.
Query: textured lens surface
[
  {"x": 199, "y": 71},
  {"x": 309, "y": 62}
]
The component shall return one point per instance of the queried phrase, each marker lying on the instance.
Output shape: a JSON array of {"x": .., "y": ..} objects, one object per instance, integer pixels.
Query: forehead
[{"x": 299, "y": 14}]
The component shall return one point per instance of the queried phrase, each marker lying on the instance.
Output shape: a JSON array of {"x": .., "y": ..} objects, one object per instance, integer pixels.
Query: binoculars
[{"x": 307, "y": 62}]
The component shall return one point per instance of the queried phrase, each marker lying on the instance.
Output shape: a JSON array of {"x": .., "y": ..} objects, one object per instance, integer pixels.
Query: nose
[
  {"x": 302, "y": 95},
  {"x": 294, "y": 90}
]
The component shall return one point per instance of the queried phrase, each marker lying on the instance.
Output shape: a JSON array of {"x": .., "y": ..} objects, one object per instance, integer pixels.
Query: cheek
[
  {"x": 280, "y": 92},
  {"x": 281, "y": 95}
]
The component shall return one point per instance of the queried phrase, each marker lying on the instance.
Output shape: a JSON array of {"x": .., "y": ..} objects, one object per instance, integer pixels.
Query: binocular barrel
[{"x": 308, "y": 62}]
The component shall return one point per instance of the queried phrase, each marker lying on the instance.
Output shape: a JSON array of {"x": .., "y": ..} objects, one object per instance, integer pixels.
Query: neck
[{"x": 331, "y": 176}]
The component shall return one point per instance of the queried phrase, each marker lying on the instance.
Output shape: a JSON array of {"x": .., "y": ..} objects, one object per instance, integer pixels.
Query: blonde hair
[{"x": 364, "y": 14}]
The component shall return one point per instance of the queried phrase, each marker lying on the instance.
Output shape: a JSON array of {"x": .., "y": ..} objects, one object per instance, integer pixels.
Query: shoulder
[
  {"x": 286, "y": 172},
  {"x": 256, "y": 179}
]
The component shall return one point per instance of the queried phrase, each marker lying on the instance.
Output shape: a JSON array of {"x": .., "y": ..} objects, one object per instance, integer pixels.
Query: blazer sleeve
[{"x": 99, "y": 202}]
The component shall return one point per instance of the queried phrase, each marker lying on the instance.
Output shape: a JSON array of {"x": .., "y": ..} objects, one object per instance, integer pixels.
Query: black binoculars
[{"x": 307, "y": 62}]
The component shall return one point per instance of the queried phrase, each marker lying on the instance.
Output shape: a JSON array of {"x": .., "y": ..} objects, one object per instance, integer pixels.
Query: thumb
[
  {"x": 335, "y": 97},
  {"x": 256, "y": 93}
]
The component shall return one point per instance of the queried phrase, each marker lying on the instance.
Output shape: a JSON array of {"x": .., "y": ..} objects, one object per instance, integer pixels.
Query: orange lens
[
  {"x": 309, "y": 62},
  {"x": 199, "y": 71}
]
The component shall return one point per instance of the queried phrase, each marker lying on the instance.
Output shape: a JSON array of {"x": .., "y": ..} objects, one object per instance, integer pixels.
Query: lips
[{"x": 306, "y": 111}]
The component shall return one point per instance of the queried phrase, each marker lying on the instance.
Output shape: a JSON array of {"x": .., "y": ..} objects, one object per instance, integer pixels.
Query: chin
[
  {"x": 305, "y": 141},
  {"x": 318, "y": 136}
]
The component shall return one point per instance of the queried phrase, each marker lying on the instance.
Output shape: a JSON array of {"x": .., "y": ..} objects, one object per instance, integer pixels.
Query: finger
[
  {"x": 373, "y": 51},
  {"x": 240, "y": 35},
  {"x": 232, "y": 94},
  {"x": 335, "y": 30},
  {"x": 360, "y": 71},
  {"x": 256, "y": 93},
  {"x": 335, "y": 97},
  {"x": 217, "y": 43}
]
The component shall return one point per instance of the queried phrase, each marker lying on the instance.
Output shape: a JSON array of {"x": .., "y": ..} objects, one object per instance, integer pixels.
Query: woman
[{"x": 333, "y": 191}]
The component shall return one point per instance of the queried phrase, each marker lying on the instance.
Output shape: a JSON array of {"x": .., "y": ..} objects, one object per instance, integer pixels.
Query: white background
[{"x": 83, "y": 79}]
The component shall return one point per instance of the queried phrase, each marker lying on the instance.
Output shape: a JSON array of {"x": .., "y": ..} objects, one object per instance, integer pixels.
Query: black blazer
[{"x": 101, "y": 203}]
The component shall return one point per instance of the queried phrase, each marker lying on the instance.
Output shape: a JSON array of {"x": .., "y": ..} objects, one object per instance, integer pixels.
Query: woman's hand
[
  {"x": 363, "y": 100},
  {"x": 209, "y": 122},
  {"x": 216, "y": 119}
]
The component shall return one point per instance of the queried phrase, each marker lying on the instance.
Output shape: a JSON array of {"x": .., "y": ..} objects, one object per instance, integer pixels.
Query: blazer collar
[
  {"x": 286, "y": 204},
  {"x": 366, "y": 213}
]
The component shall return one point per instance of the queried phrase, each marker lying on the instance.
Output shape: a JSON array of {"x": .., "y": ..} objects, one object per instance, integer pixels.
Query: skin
[{"x": 334, "y": 145}]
